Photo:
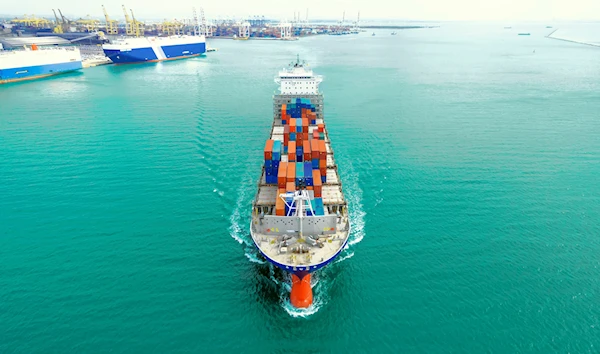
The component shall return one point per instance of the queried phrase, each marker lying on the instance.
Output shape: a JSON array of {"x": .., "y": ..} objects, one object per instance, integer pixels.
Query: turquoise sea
[{"x": 470, "y": 157}]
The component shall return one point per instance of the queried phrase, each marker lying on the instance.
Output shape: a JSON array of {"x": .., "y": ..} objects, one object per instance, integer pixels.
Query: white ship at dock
[{"x": 34, "y": 63}]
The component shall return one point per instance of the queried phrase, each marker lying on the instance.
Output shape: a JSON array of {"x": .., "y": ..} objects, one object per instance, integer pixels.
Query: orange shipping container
[
  {"x": 305, "y": 123},
  {"x": 318, "y": 190},
  {"x": 322, "y": 150},
  {"x": 317, "y": 178},
  {"x": 282, "y": 174},
  {"x": 306, "y": 150},
  {"x": 291, "y": 172},
  {"x": 315, "y": 135},
  {"x": 323, "y": 171},
  {"x": 322, "y": 164},
  {"x": 269, "y": 150},
  {"x": 279, "y": 207},
  {"x": 321, "y": 128},
  {"x": 290, "y": 187},
  {"x": 292, "y": 151},
  {"x": 314, "y": 148}
]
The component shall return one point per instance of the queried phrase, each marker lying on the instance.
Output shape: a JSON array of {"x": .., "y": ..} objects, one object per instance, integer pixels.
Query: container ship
[
  {"x": 299, "y": 215},
  {"x": 34, "y": 63},
  {"x": 153, "y": 49}
]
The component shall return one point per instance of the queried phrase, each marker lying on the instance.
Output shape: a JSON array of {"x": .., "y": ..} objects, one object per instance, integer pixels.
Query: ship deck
[
  {"x": 313, "y": 258},
  {"x": 332, "y": 189},
  {"x": 273, "y": 245}
]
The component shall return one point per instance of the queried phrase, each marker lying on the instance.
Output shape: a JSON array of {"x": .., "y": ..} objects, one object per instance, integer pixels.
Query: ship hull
[
  {"x": 31, "y": 65},
  {"x": 299, "y": 270},
  {"x": 36, "y": 72},
  {"x": 157, "y": 53}
]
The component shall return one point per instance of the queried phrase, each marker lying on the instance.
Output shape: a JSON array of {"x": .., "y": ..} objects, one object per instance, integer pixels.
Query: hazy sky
[{"x": 383, "y": 9}]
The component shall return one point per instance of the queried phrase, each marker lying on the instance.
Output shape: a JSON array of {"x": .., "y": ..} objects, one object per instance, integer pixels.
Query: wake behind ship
[
  {"x": 300, "y": 217},
  {"x": 130, "y": 50}
]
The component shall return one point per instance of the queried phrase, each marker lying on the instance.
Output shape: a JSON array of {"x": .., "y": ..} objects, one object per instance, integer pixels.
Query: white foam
[
  {"x": 343, "y": 258},
  {"x": 254, "y": 258}
]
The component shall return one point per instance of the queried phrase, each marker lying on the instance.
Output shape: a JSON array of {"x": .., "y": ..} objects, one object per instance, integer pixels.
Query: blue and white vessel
[
  {"x": 34, "y": 63},
  {"x": 152, "y": 49}
]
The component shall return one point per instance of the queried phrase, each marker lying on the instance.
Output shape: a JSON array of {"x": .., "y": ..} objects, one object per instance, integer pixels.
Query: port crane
[
  {"x": 129, "y": 30},
  {"x": 59, "y": 27},
  {"x": 112, "y": 26},
  {"x": 138, "y": 27}
]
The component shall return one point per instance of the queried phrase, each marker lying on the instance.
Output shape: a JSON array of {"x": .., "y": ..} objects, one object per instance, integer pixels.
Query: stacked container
[
  {"x": 272, "y": 155},
  {"x": 307, "y": 156}
]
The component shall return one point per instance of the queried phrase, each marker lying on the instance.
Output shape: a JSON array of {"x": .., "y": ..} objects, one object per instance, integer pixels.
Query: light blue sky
[{"x": 500, "y": 10}]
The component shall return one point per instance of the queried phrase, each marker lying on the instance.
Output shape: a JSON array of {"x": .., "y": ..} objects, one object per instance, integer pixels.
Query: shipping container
[
  {"x": 308, "y": 175},
  {"x": 276, "y": 150},
  {"x": 269, "y": 150},
  {"x": 290, "y": 187},
  {"x": 306, "y": 150},
  {"x": 279, "y": 206},
  {"x": 292, "y": 151},
  {"x": 314, "y": 147},
  {"x": 282, "y": 175},
  {"x": 291, "y": 172},
  {"x": 322, "y": 150},
  {"x": 299, "y": 172}
]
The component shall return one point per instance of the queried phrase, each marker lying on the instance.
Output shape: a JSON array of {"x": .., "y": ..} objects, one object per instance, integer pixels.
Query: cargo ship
[
  {"x": 300, "y": 217},
  {"x": 152, "y": 49},
  {"x": 34, "y": 63}
]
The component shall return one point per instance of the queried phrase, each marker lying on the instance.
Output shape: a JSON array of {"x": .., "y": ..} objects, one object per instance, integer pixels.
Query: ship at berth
[
  {"x": 300, "y": 217},
  {"x": 34, "y": 63},
  {"x": 152, "y": 49}
]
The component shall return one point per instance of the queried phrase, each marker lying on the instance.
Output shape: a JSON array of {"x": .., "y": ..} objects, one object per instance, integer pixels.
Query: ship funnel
[{"x": 301, "y": 295}]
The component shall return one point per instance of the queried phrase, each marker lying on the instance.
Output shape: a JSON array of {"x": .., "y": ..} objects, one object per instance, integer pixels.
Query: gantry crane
[
  {"x": 112, "y": 26},
  {"x": 65, "y": 22},
  {"x": 128, "y": 23},
  {"x": 58, "y": 28},
  {"x": 138, "y": 27}
]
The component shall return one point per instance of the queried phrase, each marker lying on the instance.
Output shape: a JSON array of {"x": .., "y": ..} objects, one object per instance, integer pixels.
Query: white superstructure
[{"x": 298, "y": 80}]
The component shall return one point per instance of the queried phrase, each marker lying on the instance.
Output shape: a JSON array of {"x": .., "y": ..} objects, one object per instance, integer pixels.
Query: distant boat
[
  {"x": 524, "y": 34},
  {"x": 373, "y": 34},
  {"x": 394, "y": 33},
  {"x": 548, "y": 26},
  {"x": 507, "y": 27}
]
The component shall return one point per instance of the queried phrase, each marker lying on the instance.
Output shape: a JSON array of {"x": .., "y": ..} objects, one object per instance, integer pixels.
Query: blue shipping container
[
  {"x": 319, "y": 209},
  {"x": 277, "y": 150},
  {"x": 308, "y": 173}
]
